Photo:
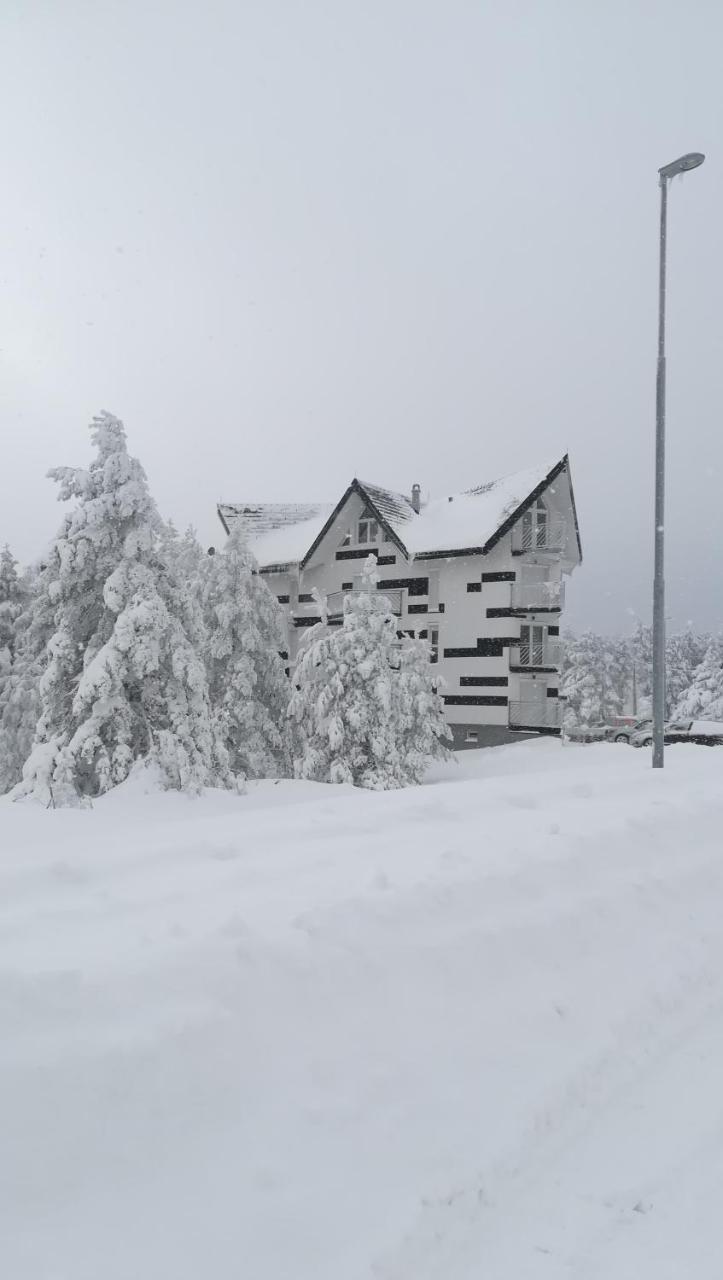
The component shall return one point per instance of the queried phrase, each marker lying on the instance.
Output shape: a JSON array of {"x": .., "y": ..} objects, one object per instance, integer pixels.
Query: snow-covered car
[
  {"x": 623, "y": 732},
  {"x": 708, "y": 733}
]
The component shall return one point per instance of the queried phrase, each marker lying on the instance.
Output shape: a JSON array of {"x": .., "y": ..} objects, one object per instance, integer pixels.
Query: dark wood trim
[
  {"x": 359, "y": 553},
  {"x": 415, "y": 586},
  {"x": 519, "y": 669},
  {"x": 487, "y": 647}
]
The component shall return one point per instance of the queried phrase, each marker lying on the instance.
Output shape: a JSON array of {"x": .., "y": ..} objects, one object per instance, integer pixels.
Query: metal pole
[{"x": 659, "y": 579}]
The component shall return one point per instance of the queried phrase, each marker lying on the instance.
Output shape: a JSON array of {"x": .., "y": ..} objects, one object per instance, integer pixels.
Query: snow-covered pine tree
[
  {"x": 684, "y": 652},
  {"x": 704, "y": 699},
  {"x": 122, "y": 682},
  {"x": 248, "y": 686},
  {"x": 593, "y": 679},
  {"x": 365, "y": 703},
  {"x": 641, "y": 648},
  {"x": 13, "y": 595},
  {"x": 20, "y": 695}
]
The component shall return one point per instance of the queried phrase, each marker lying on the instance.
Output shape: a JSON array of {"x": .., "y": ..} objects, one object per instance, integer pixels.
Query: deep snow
[{"x": 473, "y": 1029}]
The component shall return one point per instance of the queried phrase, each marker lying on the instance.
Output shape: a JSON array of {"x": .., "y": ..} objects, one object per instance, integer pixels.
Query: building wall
[{"x": 468, "y": 598}]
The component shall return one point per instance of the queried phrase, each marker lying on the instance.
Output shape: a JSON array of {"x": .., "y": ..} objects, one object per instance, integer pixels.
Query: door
[{"x": 532, "y": 646}]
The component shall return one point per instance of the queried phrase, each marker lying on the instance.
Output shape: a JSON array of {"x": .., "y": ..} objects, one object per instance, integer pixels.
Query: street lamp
[{"x": 689, "y": 161}]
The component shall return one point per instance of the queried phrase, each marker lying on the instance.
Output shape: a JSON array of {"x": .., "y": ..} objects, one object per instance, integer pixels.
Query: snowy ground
[{"x": 469, "y": 1030}]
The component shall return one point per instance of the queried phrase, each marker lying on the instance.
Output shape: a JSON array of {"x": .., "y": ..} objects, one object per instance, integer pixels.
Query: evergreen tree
[
  {"x": 703, "y": 700},
  {"x": 13, "y": 594},
  {"x": 592, "y": 679},
  {"x": 365, "y": 705},
  {"x": 683, "y": 653},
  {"x": 122, "y": 681},
  {"x": 20, "y": 695},
  {"x": 248, "y": 686},
  {"x": 641, "y": 646}
]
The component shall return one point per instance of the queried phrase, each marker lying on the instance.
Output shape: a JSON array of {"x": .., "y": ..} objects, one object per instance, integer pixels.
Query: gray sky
[{"x": 293, "y": 241}]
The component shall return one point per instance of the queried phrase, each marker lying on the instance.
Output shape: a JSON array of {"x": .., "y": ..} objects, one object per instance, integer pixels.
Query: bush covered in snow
[{"x": 365, "y": 706}]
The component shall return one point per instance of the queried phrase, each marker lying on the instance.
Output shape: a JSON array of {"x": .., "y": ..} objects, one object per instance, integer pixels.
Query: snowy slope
[{"x": 471, "y": 1029}]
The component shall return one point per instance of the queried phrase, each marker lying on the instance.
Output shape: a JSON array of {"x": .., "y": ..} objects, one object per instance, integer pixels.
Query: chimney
[{"x": 416, "y": 497}]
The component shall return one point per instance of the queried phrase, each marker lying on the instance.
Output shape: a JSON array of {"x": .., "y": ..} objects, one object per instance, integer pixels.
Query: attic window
[{"x": 367, "y": 528}]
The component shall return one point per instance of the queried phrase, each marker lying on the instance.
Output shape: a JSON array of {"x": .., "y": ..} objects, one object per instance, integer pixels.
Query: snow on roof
[
  {"x": 277, "y": 532},
  {"x": 470, "y": 519},
  {"x": 395, "y": 508},
  {"x": 283, "y": 533}
]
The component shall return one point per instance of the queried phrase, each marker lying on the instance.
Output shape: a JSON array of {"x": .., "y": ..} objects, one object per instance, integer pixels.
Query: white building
[{"x": 480, "y": 575}]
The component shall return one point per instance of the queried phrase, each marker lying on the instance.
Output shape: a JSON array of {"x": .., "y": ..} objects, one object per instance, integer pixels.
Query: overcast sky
[{"x": 294, "y": 241}]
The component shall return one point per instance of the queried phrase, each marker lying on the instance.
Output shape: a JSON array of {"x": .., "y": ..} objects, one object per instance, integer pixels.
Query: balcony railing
[
  {"x": 540, "y": 595},
  {"x": 535, "y": 715},
  {"x": 335, "y": 601},
  {"x": 542, "y": 653},
  {"x": 550, "y": 535}
]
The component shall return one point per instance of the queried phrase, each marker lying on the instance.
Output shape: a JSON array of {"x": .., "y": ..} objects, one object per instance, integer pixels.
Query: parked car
[
  {"x": 708, "y": 733},
  {"x": 622, "y": 731}
]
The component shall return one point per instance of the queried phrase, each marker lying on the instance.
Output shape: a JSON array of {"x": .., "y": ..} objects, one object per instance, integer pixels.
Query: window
[
  {"x": 471, "y": 736},
  {"x": 367, "y": 528},
  {"x": 534, "y": 526},
  {"x": 532, "y": 645},
  {"x": 434, "y": 642}
]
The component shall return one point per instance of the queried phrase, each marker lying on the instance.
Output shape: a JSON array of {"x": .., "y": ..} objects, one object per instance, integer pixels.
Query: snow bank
[{"x": 473, "y": 1028}]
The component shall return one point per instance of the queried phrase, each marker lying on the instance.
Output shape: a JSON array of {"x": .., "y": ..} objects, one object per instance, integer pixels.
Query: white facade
[{"x": 490, "y": 606}]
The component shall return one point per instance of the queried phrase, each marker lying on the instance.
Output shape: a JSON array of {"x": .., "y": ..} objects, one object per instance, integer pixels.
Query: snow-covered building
[{"x": 479, "y": 574}]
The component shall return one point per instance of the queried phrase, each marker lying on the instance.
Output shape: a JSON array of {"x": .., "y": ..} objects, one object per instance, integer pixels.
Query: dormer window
[{"x": 367, "y": 527}]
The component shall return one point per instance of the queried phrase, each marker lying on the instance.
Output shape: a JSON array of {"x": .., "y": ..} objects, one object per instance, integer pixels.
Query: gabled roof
[
  {"x": 462, "y": 524},
  {"x": 393, "y": 511}
]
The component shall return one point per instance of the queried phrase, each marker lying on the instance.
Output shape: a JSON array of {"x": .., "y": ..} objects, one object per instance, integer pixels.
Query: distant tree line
[{"x": 604, "y": 676}]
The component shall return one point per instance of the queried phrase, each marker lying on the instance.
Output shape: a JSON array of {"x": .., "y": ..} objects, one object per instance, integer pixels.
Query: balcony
[
  {"x": 542, "y": 653},
  {"x": 540, "y": 595},
  {"x": 535, "y": 715},
  {"x": 335, "y": 601},
  {"x": 548, "y": 536}
]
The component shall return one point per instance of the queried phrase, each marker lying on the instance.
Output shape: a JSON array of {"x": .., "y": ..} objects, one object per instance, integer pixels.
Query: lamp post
[{"x": 686, "y": 162}]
